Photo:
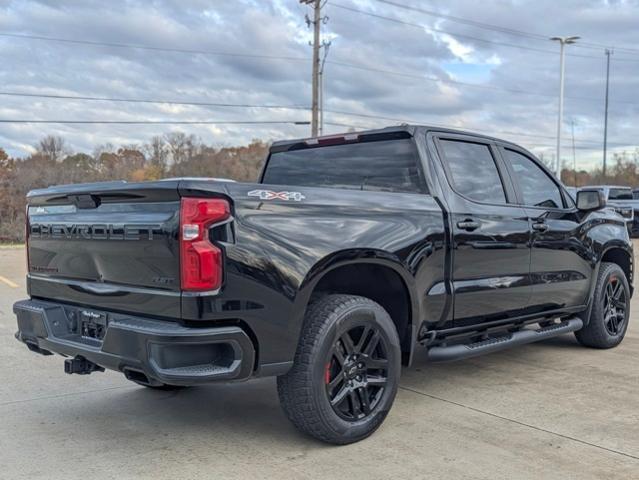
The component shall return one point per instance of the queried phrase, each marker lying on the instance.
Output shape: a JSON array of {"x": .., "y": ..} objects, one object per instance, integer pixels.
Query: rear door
[
  {"x": 491, "y": 254},
  {"x": 560, "y": 263}
]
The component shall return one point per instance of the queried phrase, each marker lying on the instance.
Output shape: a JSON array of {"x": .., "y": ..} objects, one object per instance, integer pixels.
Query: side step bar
[{"x": 495, "y": 344}]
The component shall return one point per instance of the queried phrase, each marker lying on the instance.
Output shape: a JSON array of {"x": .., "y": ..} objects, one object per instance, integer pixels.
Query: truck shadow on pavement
[{"x": 250, "y": 412}]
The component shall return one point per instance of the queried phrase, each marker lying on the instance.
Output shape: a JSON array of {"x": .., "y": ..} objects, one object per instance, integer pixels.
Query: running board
[{"x": 495, "y": 344}]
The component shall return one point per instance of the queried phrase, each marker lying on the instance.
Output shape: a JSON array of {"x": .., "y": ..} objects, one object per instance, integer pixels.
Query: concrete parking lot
[{"x": 548, "y": 410}]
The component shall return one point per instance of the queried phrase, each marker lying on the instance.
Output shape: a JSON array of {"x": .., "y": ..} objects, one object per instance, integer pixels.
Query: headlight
[{"x": 625, "y": 212}]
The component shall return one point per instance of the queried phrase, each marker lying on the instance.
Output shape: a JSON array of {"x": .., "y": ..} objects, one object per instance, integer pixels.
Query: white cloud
[{"x": 502, "y": 103}]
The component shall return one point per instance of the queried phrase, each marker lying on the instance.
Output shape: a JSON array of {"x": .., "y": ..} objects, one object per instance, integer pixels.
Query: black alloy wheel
[
  {"x": 610, "y": 311},
  {"x": 346, "y": 370},
  {"x": 614, "y": 305},
  {"x": 356, "y": 372}
]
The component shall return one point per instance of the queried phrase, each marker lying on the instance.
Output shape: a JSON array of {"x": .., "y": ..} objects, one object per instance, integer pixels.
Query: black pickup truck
[{"x": 351, "y": 253}]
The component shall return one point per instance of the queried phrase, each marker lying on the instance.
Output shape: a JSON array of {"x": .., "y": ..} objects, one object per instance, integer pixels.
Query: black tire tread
[
  {"x": 594, "y": 335},
  {"x": 295, "y": 393}
]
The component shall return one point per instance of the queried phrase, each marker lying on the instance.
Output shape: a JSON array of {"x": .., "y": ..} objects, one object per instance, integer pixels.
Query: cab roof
[{"x": 399, "y": 131}]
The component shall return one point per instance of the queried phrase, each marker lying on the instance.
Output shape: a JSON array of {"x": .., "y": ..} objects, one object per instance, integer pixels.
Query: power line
[
  {"x": 264, "y": 106},
  {"x": 151, "y": 101},
  {"x": 160, "y": 122},
  {"x": 333, "y": 62},
  {"x": 496, "y": 28},
  {"x": 347, "y": 125},
  {"x": 457, "y": 82},
  {"x": 301, "y": 107},
  {"x": 465, "y": 21},
  {"x": 239, "y": 122},
  {"x": 174, "y": 122},
  {"x": 275, "y": 57},
  {"x": 459, "y": 35},
  {"x": 150, "y": 47},
  {"x": 579, "y": 147}
]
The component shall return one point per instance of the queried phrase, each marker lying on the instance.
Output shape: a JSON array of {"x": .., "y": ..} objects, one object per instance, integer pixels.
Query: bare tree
[
  {"x": 52, "y": 148},
  {"x": 181, "y": 146},
  {"x": 156, "y": 152}
]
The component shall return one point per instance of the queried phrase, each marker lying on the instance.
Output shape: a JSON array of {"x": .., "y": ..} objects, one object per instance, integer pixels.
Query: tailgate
[{"x": 112, "y": 246}]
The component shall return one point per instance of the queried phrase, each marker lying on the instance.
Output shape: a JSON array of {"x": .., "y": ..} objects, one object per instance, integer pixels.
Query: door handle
[
  {"x": 540, "y": 227},
  {"x": 468, "y": 225}
]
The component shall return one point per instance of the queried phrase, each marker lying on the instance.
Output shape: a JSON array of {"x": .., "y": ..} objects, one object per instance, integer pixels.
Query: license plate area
[{"x": 93, "y": 325}]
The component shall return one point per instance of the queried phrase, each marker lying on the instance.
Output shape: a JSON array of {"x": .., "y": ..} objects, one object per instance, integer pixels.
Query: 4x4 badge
[{"x": 271, "y": 195}]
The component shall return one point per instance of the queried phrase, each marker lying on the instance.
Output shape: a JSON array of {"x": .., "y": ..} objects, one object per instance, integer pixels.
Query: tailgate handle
[
  {"x": 85, "y": 202},
  {"x": 99, "y": 289}
]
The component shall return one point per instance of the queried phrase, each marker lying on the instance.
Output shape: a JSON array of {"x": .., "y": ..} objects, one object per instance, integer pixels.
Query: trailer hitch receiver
[{"x": 81, "y": 366}]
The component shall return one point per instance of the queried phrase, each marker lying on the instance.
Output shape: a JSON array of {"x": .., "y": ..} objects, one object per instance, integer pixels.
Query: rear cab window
[
  {"x": 385, "y": 165},
  {"x": 620, "y": 194}
]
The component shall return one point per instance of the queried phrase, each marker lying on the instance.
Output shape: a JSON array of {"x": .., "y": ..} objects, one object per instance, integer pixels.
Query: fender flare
[
  {"x": 610, "y": 245},
  {"x": 359, "y": 256}
]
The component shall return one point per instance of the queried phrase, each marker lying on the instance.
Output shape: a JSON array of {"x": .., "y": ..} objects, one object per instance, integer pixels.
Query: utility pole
[
  {"x": 325, "y": 45},
  {"x": 316, "y": 22},
  {"x": 563, "y": 41},
  {"x": 605, "y": 142}
]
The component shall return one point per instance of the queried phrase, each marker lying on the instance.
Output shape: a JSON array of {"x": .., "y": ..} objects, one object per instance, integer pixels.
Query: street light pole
[
  {"x": 563, "y": 41},
  {"x": 574, "y": 153},
  {"x": 605, "y": 142}
]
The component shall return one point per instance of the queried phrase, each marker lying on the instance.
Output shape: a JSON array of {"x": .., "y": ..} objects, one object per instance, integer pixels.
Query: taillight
[{"x": 201, "y": 261}]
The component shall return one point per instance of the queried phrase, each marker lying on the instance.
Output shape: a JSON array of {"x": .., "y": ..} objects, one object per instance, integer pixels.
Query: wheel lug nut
[
  {"x": 360, "y": 365},
  {"x": 358, "y": 378}
]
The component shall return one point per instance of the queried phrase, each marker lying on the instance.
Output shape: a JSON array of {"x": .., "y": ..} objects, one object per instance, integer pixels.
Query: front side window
[
  {"x": 473, "y": 170},
  {"x": 537, "y": 187}
]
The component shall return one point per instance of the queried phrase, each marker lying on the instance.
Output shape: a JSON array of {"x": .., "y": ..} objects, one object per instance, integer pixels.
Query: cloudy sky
[{"x": 484, "y": 66}]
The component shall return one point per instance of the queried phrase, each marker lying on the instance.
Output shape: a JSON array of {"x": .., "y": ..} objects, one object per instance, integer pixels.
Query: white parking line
[{"x": 8, "y": 282}]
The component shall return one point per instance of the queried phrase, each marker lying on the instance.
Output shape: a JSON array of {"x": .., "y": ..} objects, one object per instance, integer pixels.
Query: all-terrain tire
[
  {"x": 607, "y": 326},
  {"x": 322, "y": 366}
]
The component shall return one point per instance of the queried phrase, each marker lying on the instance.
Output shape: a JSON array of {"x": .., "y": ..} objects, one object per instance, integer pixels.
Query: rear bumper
[{"x": 147, "y": 351}]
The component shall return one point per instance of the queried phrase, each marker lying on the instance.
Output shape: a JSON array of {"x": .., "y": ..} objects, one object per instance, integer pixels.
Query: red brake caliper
[{"x": 327, "y": 373}]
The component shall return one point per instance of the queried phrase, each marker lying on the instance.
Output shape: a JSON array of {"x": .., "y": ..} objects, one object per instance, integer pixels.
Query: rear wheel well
[
  {"x": 381, "y": 284},
  {"x": 621, "y": 258}
]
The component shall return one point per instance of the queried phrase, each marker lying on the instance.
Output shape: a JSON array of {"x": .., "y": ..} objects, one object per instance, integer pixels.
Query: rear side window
[
  {"x": 538, "y": 188},
  {"x": 473, "y": 170},
  {"x": 385, "y": 165},
  {"x": 620, "y": 194}
]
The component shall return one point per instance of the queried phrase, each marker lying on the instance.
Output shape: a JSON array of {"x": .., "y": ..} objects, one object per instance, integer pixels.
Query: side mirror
[{"x": 588, "y": 200}]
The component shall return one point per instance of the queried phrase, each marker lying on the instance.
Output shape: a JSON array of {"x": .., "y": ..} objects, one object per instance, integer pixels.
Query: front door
[
  {"x": 560, "y": 262},
  {"x": 491, "y": 252}
]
